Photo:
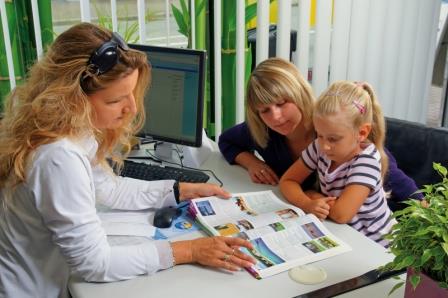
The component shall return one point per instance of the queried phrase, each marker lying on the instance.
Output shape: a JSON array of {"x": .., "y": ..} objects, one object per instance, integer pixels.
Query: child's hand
[
  {"x": 331, "y": 201},
  {"x": 321, "y": 207}
]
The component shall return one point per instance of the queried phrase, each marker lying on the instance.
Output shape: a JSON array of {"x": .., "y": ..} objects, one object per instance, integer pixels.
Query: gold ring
[
  {"x": 226, "y": 257},
  {"x": 262, "y": 171},
  {"x": 233, "y": 251}
]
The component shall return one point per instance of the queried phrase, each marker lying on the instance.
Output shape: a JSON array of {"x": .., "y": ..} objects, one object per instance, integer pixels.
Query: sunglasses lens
[
  {"x": 119, "y": 40},
  {"x": 107, "y": 56},
  {"x": 109, "y": 59}
]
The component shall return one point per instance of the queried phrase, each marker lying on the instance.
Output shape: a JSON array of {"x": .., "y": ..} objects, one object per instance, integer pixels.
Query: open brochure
[{"x": 282, "y": 235}]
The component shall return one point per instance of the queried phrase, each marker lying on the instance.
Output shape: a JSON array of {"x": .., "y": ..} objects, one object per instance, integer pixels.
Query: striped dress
[{"x": 374, "y": 217}]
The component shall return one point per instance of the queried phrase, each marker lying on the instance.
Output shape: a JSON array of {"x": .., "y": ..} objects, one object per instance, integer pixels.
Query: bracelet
[
  {"x": 172, "y": 254},
  {"x": 176, "y": 191}
]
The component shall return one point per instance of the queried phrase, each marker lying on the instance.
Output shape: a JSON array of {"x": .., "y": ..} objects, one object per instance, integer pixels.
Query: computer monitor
[{"x": 174, "y": 102}]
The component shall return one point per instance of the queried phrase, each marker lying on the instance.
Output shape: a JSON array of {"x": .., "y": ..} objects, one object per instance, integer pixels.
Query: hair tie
[
  {"x": 360, "y": 84},
  {"x": 359, "y": 106}
]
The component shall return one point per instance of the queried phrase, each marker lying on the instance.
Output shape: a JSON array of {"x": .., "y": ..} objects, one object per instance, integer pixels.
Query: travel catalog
[{"x": 282, "y": 235}]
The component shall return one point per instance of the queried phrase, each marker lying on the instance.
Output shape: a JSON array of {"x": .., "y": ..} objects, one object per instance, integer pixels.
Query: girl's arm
[
  {"x": 348, "y": 203},
  {"x": 293, "y": 192}
]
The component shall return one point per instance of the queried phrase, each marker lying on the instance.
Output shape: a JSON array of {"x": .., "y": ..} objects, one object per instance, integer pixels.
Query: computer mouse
[{"x": 164, "y": 217}]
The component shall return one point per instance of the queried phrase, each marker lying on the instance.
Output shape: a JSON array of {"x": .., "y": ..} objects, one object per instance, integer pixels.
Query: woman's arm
[
  {"x": 401, "y": 186},
  {"x": 131, "y": 194},
  {"x": 235, "y": 140},
  {"x": 64, "y": 195},
  {"x": 189, "y": 191},
  {"x": 293, "y": 192},
  {"x": 237, "y": 147}
]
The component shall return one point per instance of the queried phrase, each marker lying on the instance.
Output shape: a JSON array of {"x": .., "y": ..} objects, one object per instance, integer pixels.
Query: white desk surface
[{"x": 198, "y": 281}]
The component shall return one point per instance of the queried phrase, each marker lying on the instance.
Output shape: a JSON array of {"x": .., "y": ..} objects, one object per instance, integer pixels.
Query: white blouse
[{"x": 50, "y": 229}]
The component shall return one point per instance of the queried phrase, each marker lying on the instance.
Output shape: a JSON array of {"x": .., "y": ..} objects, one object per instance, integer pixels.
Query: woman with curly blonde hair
[{"x": 79, "y": 105}]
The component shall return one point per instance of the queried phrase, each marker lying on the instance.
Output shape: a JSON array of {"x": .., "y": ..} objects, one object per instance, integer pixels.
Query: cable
[
  {"x": 146, "y": 140},
  {"x": 221, "y": 184},
  {"x": 144, "y": 157},
  {"x": 181, "y": 157}
]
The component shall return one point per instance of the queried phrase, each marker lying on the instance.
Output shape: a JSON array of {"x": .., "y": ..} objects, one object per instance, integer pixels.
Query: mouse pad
[{"x": 181, "y": 225}]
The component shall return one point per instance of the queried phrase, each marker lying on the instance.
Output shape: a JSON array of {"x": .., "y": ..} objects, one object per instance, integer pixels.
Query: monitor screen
[{"x": 174, "y": 102}]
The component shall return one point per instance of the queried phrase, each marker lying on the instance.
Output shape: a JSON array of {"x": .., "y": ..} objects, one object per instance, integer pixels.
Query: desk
[{"x": 197, "y": 281}]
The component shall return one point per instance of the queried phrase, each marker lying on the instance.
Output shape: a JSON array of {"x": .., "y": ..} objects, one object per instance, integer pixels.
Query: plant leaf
[
  {"x": 183, "y": 27},
  {"x": 199, "y": 8},
  {"x": 415, "y": 280},
  {"x": 439, "y": 168},
  {"x": 184, "y": 7},
  {"x": 251, "y": 12},
  {"x": 407, "y": 261},
  {"x": 445, "y": 247},
  {"x": 397, "y": 286},
  {"x": 427, "y": 254}
]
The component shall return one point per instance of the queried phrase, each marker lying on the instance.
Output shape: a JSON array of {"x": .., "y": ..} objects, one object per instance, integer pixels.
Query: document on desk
[
  {"x": 282, "y": 235},
  {"x": 139, "y": 223},
  {"x": 128, "y": 223}
]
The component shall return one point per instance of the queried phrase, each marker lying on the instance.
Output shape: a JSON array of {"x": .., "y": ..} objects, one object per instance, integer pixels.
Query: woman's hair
[
  {"x": 52, "y": 103},
  {"x": 272, "y": 81},
  {"x": 358, "y": 102}
]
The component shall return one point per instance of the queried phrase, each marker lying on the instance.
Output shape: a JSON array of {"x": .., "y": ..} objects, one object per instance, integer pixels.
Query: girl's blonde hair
[
  {"x": 358, "y": 102},
  {"x": 53, "y": 104},
  {"x": 275, "y": 80}
]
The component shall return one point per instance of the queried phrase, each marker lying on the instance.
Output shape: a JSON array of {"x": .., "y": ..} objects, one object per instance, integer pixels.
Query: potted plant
[{"x": 419, "y": 241}]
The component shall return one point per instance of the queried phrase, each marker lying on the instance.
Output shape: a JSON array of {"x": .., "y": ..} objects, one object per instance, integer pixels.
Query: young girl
[{"x": 349, "y": 158}]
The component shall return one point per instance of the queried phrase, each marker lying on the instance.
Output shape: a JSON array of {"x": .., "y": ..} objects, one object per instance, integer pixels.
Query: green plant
[
  {"x": 128, "y": 29},
  {"x": 182, "y": 17},
  {"x": 420, "y": 238}
]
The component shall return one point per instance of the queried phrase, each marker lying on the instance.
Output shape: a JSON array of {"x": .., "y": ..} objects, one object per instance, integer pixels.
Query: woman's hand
[
  {"x": 189, "y": 191},
  {"x": 221, "y": 252},
  {"x": 260, "y": 172}
]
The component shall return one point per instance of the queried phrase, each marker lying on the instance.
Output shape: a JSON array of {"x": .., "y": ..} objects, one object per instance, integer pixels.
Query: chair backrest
[{"x": 416, "y": 147}]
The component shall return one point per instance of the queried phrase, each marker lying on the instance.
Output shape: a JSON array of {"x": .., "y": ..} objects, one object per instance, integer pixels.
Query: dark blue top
[{"x": 277, "y": 155}]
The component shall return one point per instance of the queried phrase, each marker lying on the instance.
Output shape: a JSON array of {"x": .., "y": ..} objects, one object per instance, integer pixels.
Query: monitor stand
[
  {"x": 195, "y": 157},
  {"x": 164, "y": 151},
  {"x": 192, "y": 156}
]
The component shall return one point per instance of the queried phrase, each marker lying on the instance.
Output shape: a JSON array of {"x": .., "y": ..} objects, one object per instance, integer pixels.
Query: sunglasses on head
[{"x": 106, "y": 56}]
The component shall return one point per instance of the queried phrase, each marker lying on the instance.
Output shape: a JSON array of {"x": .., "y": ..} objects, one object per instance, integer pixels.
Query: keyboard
[{"x": 149, "y": 172}]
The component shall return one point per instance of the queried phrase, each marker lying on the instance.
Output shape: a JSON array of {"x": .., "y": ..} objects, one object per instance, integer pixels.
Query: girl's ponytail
[{"x": 378, "y": 132}]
